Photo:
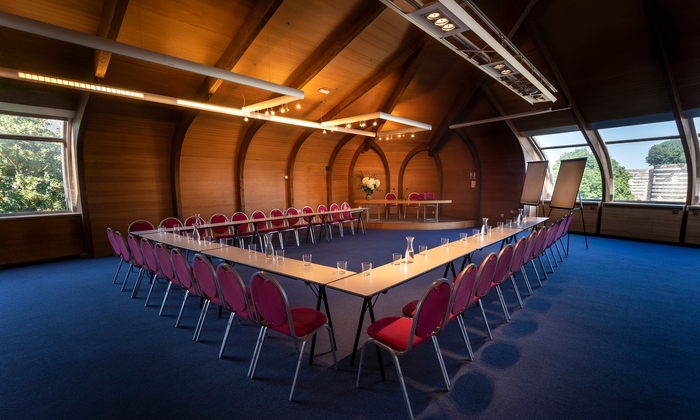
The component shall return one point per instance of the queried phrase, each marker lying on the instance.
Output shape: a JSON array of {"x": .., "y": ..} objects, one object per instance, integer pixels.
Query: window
[
  {"x": 571, "y": 145},
  {"x": 33, "y": 164},
  {"x": 648, "y": 162}
]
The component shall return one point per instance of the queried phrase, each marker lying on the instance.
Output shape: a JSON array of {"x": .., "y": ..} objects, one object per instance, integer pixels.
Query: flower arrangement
[{"x": 368, "y": 184}]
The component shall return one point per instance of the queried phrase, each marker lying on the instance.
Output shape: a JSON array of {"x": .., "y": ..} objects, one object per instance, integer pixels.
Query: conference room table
[
  {"x": 378, "y": 205},
  {"x": 383, "y": 278}
]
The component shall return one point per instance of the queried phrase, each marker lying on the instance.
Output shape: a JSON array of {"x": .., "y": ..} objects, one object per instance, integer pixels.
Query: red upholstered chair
[
  {"x": 234, "y": 296},
  {"x": 185, "y": 277},
  {"x": 139, "y": 225},
  {"x": 484, "y": 278},
  {"x": 463, "y": 290},
  {"x": 242, "y": 230},
  {"x": 125, "y": 253},
  {"x": 536, "y": 251},
  {"x": 149, "y": 257},
  {"x": 389, "y": 207},
  {"x": 505, "y": 258},
  {"x": 527, "y": 255},
  {"x": 311, "y": 221},
  {"x": 205, "y": 275},
  {"x": 549, "y": 240},
  {"x": 398, "y": 335},
  {"x": 281, "y": 226},
  {"x": 563, "y": 226},
  {"x": 335, "y": 219},
  {"x": 262, "y": 228},
  {"x": 414, "y": 196},
  {"x": 565, "y": 231},
  {"x": 168, "y": 271},
  {"x": 116, "y": 250},
  {"x": 295, "y": 222},
  {"x": 170, "y": 222},
  {"x": 272, "y": 308},
  {"x": 136, "y": 261},
  {"x": 350, "y": 218},
  {"x": 516, "y": 265},
  {"x": 221, "y": 234}
]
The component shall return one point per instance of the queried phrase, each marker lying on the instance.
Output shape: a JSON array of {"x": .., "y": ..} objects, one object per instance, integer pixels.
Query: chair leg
[
  {"x": 202, "y": 318},
  {"x": 441, "y": 361},
  {"x": 527, "y": 280},
  {"x": 281, "y": 240},
  {"x": 128, "y": 271},
  {"x": 119, "y": 267},
  {"x": 544, "y": 270},
  {"x": 486, "y": 322},
  {"x": 182, "y": 308},
  {"x": 506, "y": 315},
  {"x": 517, "y": 291},
  {"x": 150, "y": 290},
  {"x": 296, "y": 372},
  {"x": 536, "y": 273},
  {"x": 165, "y": 298},
  {"x": 548, "y": 260},
  {"x": 228, "y": 329},
  {"x": 403, "y": 385},
  {"x": 463, "y": 330},
  {"x": 256, "y": 352}
]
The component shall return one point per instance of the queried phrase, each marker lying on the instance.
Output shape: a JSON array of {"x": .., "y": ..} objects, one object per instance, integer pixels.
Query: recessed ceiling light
[{"x": 324, "y": 91}]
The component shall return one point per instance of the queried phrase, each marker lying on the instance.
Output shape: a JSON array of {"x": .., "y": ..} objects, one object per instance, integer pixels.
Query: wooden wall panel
[
  {"x": 421, "y": 174},
  {"x": 692, "y": 227},
  {"x": 58, "y": 236},
  {"x": 457, "y": 162},
  {"x": 310, "y": 171},
  {"x": 127, "y": 166},
  {"x": 652, "y": 222},
  {"x": 341, "y": 169},
  {"x": 208, "y": 178},
  {"x": 368, "y": 163}
]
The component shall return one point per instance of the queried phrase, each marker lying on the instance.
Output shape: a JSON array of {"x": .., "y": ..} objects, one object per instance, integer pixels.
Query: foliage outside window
[{"x": 32, "y": 163}]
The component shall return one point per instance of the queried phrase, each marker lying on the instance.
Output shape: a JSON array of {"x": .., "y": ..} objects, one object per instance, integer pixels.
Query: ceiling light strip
[
  {"x": 269, "y": 103},
  {"x": 50, "y": 31}
]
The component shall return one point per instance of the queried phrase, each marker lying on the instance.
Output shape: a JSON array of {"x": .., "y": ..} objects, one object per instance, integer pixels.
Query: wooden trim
[{"x": 111, "y": 21}]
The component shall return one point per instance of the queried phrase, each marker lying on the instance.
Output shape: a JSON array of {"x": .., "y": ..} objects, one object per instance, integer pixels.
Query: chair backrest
[
  {"x": 518, "y": 250},
  {"x": 292, "y": 221},
  {"x": 564, "y": 226},
  {"x": 307, "y": 210},
  {"x": 136, "y": 253},
  {"x": 421, "y": 196},
  {"x": 277, "y": 213},
  {"x": 238, "y": 216},
  {"x": 335, "y": 207},
  {"x": 430, "y": 196},
  {"x": 568, "y": 224},
  {"x": 140, "y": 225},
  {"x": 431, "y": 309},
  {"x": 259, "y": 214},
  {"x": 205, "y": 276},
  {"x": 485, "y": 275},
  {"x": 190, "y": 222},
  {"x": 219, "y": 230},
  {"x": 232, "y": 291},
  {"x": 321, "y": 208},
  {"x": 113, "y": 242},
  {"x": 170, "y": 222},
  {"x": 183, "y": 270},
  {"x": 123, "y": 247},
  {"x": 413, "y": 196},
  {"x": 505, "y": 258},
  {"x": 390, "y": 196},
  {"x": 463, "y": 289},
  {"x": 164, "y": 263},
  {"x": 541, "y": 236},
  {"x": 527, "y": 254},
  {"x": 270, "y": 301},
  {"x": 149, "y": 256},
  {"x": 551, "y": 235},
  {"x": 346, "y": 206}
]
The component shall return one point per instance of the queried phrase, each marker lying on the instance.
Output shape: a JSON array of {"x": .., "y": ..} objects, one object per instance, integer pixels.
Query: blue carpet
[{"x": 614, "y": 333}]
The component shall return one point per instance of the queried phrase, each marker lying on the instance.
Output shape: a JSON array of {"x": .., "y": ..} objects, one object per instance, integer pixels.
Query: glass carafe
[
  {"x": 409, "y": 250},
  {"x": 483, "y": 227},
  {"x": 521, "y": 215},
  {"x": 269, "y": 249}
]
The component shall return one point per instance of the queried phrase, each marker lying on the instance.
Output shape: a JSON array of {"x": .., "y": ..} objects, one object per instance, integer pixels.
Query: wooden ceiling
[{"x": 609, "y": 56}]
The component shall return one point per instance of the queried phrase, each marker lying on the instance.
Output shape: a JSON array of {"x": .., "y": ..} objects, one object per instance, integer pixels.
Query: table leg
[
  {"x": 365, "y": 303},
  {"x": 321, "y": 296},
  {"x": 379, "y": 353}
]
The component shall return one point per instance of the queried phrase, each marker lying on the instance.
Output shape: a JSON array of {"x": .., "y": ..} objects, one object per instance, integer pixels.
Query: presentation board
[
  {"x": 534, "y": 181},
  {"x": 568, "y": 183}
]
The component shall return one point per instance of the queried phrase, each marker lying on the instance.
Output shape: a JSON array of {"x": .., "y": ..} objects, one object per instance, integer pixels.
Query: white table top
[
  {"x": 288, "y": 267},
  {"x": 180, "y": 241}
]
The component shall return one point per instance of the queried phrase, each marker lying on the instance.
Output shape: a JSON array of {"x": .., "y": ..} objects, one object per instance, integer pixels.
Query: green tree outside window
[{"x": 591, "y": 185}]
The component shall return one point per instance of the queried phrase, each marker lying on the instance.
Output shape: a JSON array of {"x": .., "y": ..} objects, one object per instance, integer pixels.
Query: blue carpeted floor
[{"x": 614, "y": 333}]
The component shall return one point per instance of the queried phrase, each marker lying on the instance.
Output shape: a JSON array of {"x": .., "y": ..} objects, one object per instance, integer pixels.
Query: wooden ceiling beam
[
  {"x": 111, "y": 21},
  {"x": 598, "y": 147},
  {"x": 684, "y": 126},
  {"x": 336, "y": 42}
]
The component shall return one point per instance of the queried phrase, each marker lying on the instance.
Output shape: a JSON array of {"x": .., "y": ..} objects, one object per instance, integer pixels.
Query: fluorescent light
[
  {"x": 324, "y": 91},
  {"x": 379, "y": 115},
  {"x": 269, "y": 103}
]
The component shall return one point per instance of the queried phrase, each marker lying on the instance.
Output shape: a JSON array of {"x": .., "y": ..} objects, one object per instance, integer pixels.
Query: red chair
[
  {"x": 389, "y": 207},
  {"x": 170, "y": 222},
  {"x": 505, "y": 259},
  {"x": 116, "y": 250},
  {"x": 261, "y": 228},
  {"x": 562, "y": 228},
  {"x": 312, "y": 222},
  {"x": 351, "y": 218},
  {"x": 221, "y": 233},
  {"x": 335, "y": 219},
  {"x": 516, "y": 265},
  {"x": 168, "y": 271},
  {"x": 484, "y": 278},
  {"x": 185, "y": 277},
  {"x": 323, "y": 222},
  {"x": 234, "y": 296},
  {"x": 547, "y": 246},
  {"x": 190, "y": 221},
  {"x": 125, "y": 254},
  {"x": 463, "y": 290},
  {"x": 398, "y": 335},
  {"x": 140, "y": 225},
  {"x": 272, "y": 308},
  {"x": 414, "y": 196},
  {"x": 136, "y": 261},
  {"x": 281, "y": 226},
  {"x": 537, "y": 251},
  {"x": 296, "y": 222},
  {"x": 205, "y": 276},
  {"x": 149, "y": 255},
  {"x": 565, "y": 231},
  {"x": 242, "y": 230}
]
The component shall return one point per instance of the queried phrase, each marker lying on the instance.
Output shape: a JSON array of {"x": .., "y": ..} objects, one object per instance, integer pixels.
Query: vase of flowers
[{"x": 368, "y": 184}]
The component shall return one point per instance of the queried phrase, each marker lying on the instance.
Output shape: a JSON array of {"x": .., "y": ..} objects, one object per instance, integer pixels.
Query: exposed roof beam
[
  {"x": 684, "y": 125},
  {"x": 113, "y": 13},
  {"x": 600, "y": 151}
]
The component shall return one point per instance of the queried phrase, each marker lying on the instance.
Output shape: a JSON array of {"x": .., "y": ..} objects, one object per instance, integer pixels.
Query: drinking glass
[
  {"x": 476, "y": 232},
  {"x": 366, "y": 268},
  {"x": 252, "y": 248},
  {"x": 445, "y": 242},
  {"x": 463, "y": 236},
  {"x": 342, "y": 267},
  {"x": 499, "y": 225},
  {"x": 423, "y": 250},
  {"x": 279, "y": 254},
  {"x": 306, "y": 258},
  {"x": 396, "y": 258}
]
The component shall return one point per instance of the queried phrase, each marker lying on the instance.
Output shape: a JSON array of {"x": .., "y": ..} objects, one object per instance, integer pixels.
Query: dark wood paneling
[
  {"x": 591, "y": 214},
  {"x": 37, "y": 238},
  {"x": 457, "y": 163},
  {"x": 692, "y": 227},
  {"x": 650, "y": 222}
]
